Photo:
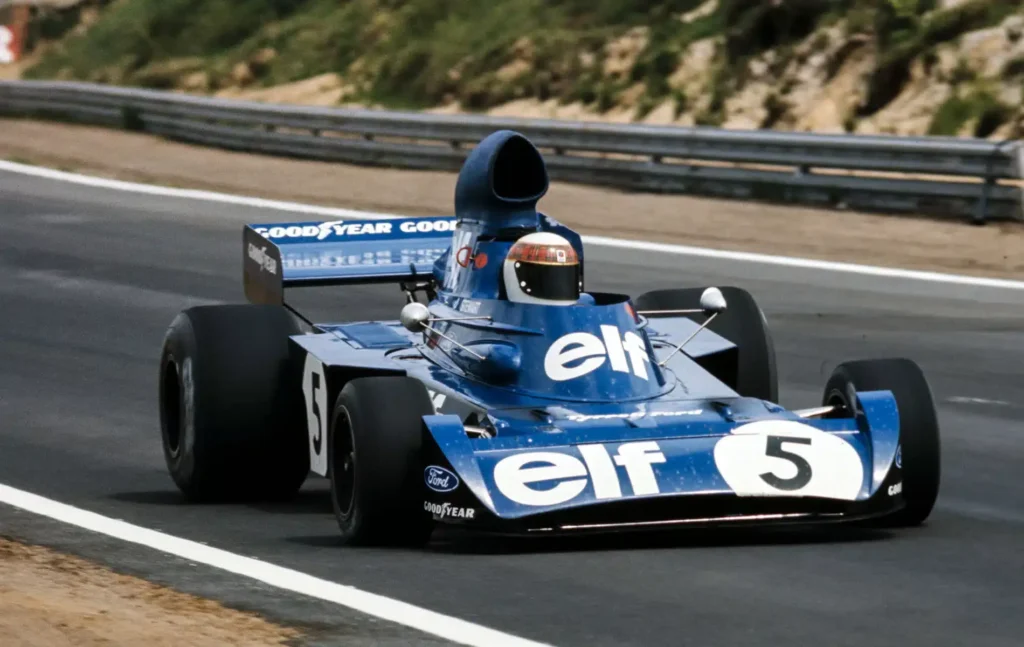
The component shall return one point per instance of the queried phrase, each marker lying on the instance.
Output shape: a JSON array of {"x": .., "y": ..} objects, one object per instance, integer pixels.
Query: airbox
[{"x": 500, "y": 184}]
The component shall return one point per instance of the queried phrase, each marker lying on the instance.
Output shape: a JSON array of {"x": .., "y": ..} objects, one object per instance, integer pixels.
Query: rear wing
[{"x": 340, "y": 252}]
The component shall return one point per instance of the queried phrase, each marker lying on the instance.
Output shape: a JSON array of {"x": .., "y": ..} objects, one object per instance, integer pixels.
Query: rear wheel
[
  {"x": 376, "y": 470},
  {"x": 919, "y": 426},
  {"x": 754, "y": 372},
  {"x": 231, "y": 413}
]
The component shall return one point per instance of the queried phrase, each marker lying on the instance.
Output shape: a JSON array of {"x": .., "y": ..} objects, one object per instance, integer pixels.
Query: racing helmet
[{"x": 543, "y": 268}]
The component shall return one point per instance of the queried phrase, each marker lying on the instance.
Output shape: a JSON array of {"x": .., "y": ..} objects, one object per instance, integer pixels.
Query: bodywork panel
[
  {"x": 553, "y": 462},
  {"x": 707, "y": 468}
]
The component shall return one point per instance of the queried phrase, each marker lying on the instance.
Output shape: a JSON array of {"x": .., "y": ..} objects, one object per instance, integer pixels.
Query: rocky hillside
[{"x": 897, "y": 66}]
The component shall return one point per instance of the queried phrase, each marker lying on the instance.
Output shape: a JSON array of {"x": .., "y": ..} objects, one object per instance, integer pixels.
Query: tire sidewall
[
  {"x": 349, "y": 522},
  {"x": 748, "y": 325},
  {"x": 919, "y": 440},
  {"x": 179, "y": 354}
]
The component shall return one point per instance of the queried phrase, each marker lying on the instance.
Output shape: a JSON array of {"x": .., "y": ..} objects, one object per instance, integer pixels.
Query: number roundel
[{"x": 787, "y": 458}]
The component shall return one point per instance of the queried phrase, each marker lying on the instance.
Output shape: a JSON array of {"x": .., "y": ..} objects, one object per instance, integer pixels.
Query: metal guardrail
[{"x": 939, "y": 176}]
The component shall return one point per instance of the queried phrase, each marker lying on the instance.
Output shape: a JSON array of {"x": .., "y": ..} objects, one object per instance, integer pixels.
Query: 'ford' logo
[{"x": 439, "y": 479}]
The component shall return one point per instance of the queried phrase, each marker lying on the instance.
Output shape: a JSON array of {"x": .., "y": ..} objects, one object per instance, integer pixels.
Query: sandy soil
[
  {"x": 992, "y": 250},
  {"x": 48, "y": 599}
]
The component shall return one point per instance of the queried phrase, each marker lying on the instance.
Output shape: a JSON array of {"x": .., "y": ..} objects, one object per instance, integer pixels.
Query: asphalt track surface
[{"x": 90, "y": 278}]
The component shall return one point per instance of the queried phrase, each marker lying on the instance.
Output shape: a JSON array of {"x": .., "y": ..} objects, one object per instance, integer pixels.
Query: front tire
[
  {"x": 231, "y": 412},
  {"x": 919, "y": 427},
  {"x": 377, "y": 487},
  {"x": 754, "y": 374}
]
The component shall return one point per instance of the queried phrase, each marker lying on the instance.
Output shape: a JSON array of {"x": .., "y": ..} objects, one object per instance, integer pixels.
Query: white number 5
[{"x": 314, "y": 387}]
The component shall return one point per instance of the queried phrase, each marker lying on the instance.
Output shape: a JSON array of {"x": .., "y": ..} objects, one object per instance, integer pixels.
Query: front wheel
[
  {"x": 377, "y": 488},
  {"x": 919, "y": 426}
]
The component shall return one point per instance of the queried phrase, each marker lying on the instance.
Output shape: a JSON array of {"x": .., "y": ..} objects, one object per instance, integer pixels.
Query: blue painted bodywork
[{"x": 678, "y": 413}]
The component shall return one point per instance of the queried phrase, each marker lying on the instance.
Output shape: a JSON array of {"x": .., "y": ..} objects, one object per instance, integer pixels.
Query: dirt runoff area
[
  {"x": 48, "y": 599},
  {"x": 995, "y": 250}
]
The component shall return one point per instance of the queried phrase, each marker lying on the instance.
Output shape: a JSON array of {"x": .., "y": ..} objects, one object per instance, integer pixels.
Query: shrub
[
  {"x": 1013, "y": 68},
  {"x": 900, "y": 48},
  {"x": 981, "y": 106}
]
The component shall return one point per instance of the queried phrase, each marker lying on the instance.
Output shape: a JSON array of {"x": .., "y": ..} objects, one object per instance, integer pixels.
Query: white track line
[
  {"x": 190, "y": 194},
  {"x": 618, "y": 243},
  {"x": 447, "y": 627}
]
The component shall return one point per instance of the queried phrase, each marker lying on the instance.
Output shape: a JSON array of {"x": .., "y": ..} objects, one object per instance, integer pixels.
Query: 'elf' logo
[{"x": 562, "y": 361}]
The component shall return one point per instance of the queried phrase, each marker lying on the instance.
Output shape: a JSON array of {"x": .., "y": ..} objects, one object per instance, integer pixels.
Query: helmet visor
[{"x": 549, "y": 282}]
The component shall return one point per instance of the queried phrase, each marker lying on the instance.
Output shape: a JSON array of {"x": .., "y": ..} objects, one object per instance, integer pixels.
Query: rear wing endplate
[{"x": 340, "y": 252}]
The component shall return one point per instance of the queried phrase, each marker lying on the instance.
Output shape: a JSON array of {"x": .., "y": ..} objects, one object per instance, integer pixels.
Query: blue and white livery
[{"x": 485, "y": 405}]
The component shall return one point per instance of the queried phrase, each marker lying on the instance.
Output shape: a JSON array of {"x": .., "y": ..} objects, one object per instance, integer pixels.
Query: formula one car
[{"x": 507, "y": 398}]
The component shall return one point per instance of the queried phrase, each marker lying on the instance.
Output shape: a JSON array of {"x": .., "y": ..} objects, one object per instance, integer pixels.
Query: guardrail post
[
  {"x": 981, "y": 214},
  {"x": 131, "y": 119}
]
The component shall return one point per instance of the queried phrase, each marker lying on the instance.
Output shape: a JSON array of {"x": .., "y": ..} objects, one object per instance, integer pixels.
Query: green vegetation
[
  {"x": 418, "y": 53},
  {"x": 421, "y": 52},
  {"x": 904, "y": 35},
  {"x": 411, "y": 52},
  {"x": 979, "y": 108}
]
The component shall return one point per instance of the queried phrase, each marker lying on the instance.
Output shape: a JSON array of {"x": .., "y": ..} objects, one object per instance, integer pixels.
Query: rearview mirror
[
  {"x": 712, "y": 302},
  {"x": 414, "y": 316}
]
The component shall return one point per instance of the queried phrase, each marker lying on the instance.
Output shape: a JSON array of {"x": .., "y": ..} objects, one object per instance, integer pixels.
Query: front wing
[{"x": 707, "y": 471}]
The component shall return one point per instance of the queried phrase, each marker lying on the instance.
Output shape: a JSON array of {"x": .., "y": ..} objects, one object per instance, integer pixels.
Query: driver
[{"x": 543, "y": 268}]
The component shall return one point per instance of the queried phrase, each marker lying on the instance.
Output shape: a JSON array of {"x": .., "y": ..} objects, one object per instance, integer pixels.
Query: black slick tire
[
  {"x": 755, "y": 374},
  {"x": 231, "y": 413},
  {"x": 376, "y": 469},
  {"x": 919, "y": 427}
]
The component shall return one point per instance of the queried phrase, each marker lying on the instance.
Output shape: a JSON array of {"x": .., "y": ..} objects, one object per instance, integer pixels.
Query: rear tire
[
  {"x": 231, "y": 412},
  {"x": 376, "y": 468},
  {"x": 919, "y": 427},
  {"x": 744, "y": 324}
]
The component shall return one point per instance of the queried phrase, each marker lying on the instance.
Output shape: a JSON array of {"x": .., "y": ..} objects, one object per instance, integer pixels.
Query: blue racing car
[{"x": 505, "y": 397}]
